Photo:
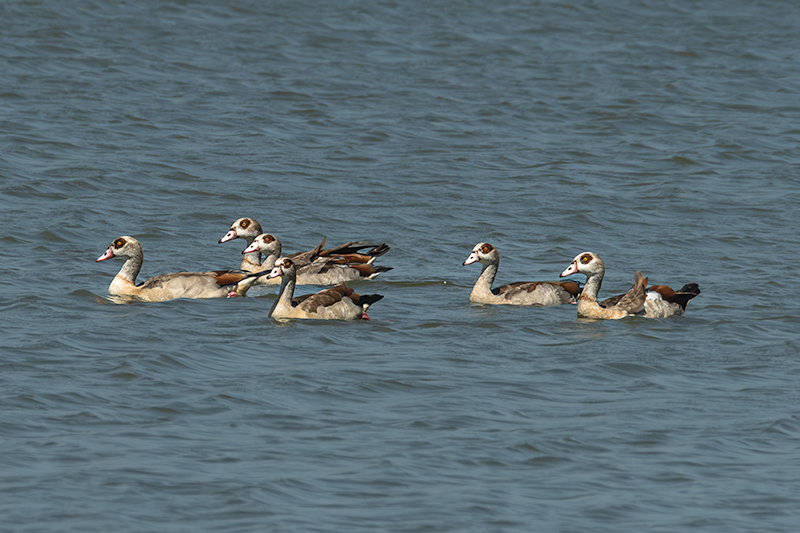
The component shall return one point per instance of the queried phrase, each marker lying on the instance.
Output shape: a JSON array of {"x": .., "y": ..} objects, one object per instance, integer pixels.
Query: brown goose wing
[
  {"x": 325, "y": 297},
  {"x": 303, "y": 258},
  {"x": 228, "y": 277},
  {"x": 633, "y": 300}
]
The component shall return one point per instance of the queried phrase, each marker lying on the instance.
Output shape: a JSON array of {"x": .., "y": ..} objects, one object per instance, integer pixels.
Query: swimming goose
[
  {"x": 344, "y": 268},
  {"x": 321, "y": 267},
  {"x": 662, "y": 301},
  {"x": 247, "y": 229},
  {"x": 215, "y": 284},
  {"x": 630, "y": 303},
  {"x": 520, "y": 293},
  {"x": 335, "y": 303}
]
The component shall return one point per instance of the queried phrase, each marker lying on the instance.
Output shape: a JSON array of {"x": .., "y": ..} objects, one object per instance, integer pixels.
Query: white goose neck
[
  {"x": 285, "y": 295},
  {"x": 483, "y": 286},
  {"x": 593, "y": 283},
  {"x": 130, "y": 269}
]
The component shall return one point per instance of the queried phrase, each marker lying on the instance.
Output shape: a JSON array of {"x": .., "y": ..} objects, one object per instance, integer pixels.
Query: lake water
[{"x": 664, "y": 136}]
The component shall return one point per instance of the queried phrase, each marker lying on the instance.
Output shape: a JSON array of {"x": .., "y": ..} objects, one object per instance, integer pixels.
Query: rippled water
[{"x": 662, "y": 135}]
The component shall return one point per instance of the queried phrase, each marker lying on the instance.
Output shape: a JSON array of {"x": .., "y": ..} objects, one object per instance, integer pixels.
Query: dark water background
[{"x": 662, "y": 135}]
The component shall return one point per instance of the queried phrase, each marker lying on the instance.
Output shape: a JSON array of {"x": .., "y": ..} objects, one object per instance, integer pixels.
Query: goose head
[
  {"x": 244, "y": 228},
  {"x": 484, "y": 253},
  {"x": 266, "y": 244},
  {"x": 284, "y": 267},
  {"x": 587, "y": 264},
  {"x": 126, "y": 247}
]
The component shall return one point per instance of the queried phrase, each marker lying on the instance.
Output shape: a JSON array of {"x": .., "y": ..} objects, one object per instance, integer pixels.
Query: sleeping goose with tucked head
[
  {"x": 539, "y": 293},
  {"x": 630, "y": 303},
  {"x": 318, "y": 266},
  {"x": 215, "y": 284},
  {"x": 321, "y": 267},
  {"x": 335, "y": 303}
]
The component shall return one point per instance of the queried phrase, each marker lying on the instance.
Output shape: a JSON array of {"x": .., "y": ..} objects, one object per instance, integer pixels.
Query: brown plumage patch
[
  {"x": 571, "y": 287},
  {"x": 586, "y": 259},
  {"x": 487, "y": 248},
  {"x": 352, "y": 258},
  {"x": 682, "y": 297},
  {"x": 226, "y": 277},
  {"x": 119, "y": 243},
  {"x": 326, "y": 297},
  {"x": 364, "y": 270}
]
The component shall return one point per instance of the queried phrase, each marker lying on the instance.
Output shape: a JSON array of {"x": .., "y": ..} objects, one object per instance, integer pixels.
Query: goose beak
[
  {"x": 108, "y": 254},
  {"x": 276, "y": 272},
  {"x": 473, "y": 258},
  {"x": 571, "y": 269},
  {"x": 252, "y": 248},
  {"x": 229, "y": 236}
]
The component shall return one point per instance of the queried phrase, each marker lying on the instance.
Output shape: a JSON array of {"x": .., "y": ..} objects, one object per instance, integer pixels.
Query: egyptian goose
[
  {"x": 247, "y": 229},
  {"x": 662, "y": 301},
  {"x": 630, "y": 303},
  {"x": 520, "y": 293},
  {"x": 334, "y": 303},
  {"x": 216, "y": 284},
  {"x": 325, "y": 272},
  {"x": 321, "y": 267}
]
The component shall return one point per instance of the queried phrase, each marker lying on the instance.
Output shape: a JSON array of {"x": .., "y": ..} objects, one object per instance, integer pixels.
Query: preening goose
[
  {"x": 335, "y": 303},
  {"x": 348, "y": 262},
  {"x": 321, "y": 267},
  {"x": 630, "y": 303},
  {"x": 215, "y": 284},
  {"x": 520, "y": 293}
]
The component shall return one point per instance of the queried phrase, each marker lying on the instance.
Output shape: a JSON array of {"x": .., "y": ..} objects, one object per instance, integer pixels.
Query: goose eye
[
  {"x": 486, "y": 248},
  {"x": 119, "y": 243},
  {"x": 244, "y": 223},
  {"x": 287, "y": 262},
  {"x": 585, "y": 259},
  {"x": 268, "y": 238}
]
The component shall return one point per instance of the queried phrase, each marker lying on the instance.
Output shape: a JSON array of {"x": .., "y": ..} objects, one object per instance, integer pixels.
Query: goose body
[
  {"x": 630, "y": 303},
  {"x": 663, "y": 302},
  {"x": 214, "y": 284},
  {"x": 349, "y": 262},
  {"x": 335, "y": 303},
  {"x": 540, "y": 293}
]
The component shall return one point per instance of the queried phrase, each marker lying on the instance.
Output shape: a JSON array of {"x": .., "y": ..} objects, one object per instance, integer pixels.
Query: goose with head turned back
[
  {"x": 215, "y": 284},
  {"x": 540, "y": 293},
  {"x": 334, "y": 303},
  {"x": 630, "y": 303},
  {"x": 314, "y": 268}
]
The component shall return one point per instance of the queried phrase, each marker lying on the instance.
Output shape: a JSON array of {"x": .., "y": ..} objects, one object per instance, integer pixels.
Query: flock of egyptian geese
[{"x": 354, "y": 261}]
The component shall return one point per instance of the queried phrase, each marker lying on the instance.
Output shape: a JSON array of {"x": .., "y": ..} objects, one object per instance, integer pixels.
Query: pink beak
[
  {"x": 571, "y": 269},
  {"x": 252, "y": 248},
  {"x": 108, "y": 254},
  {"x": 229, "y": 236},
  {"x": 473, "y": 257}
]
